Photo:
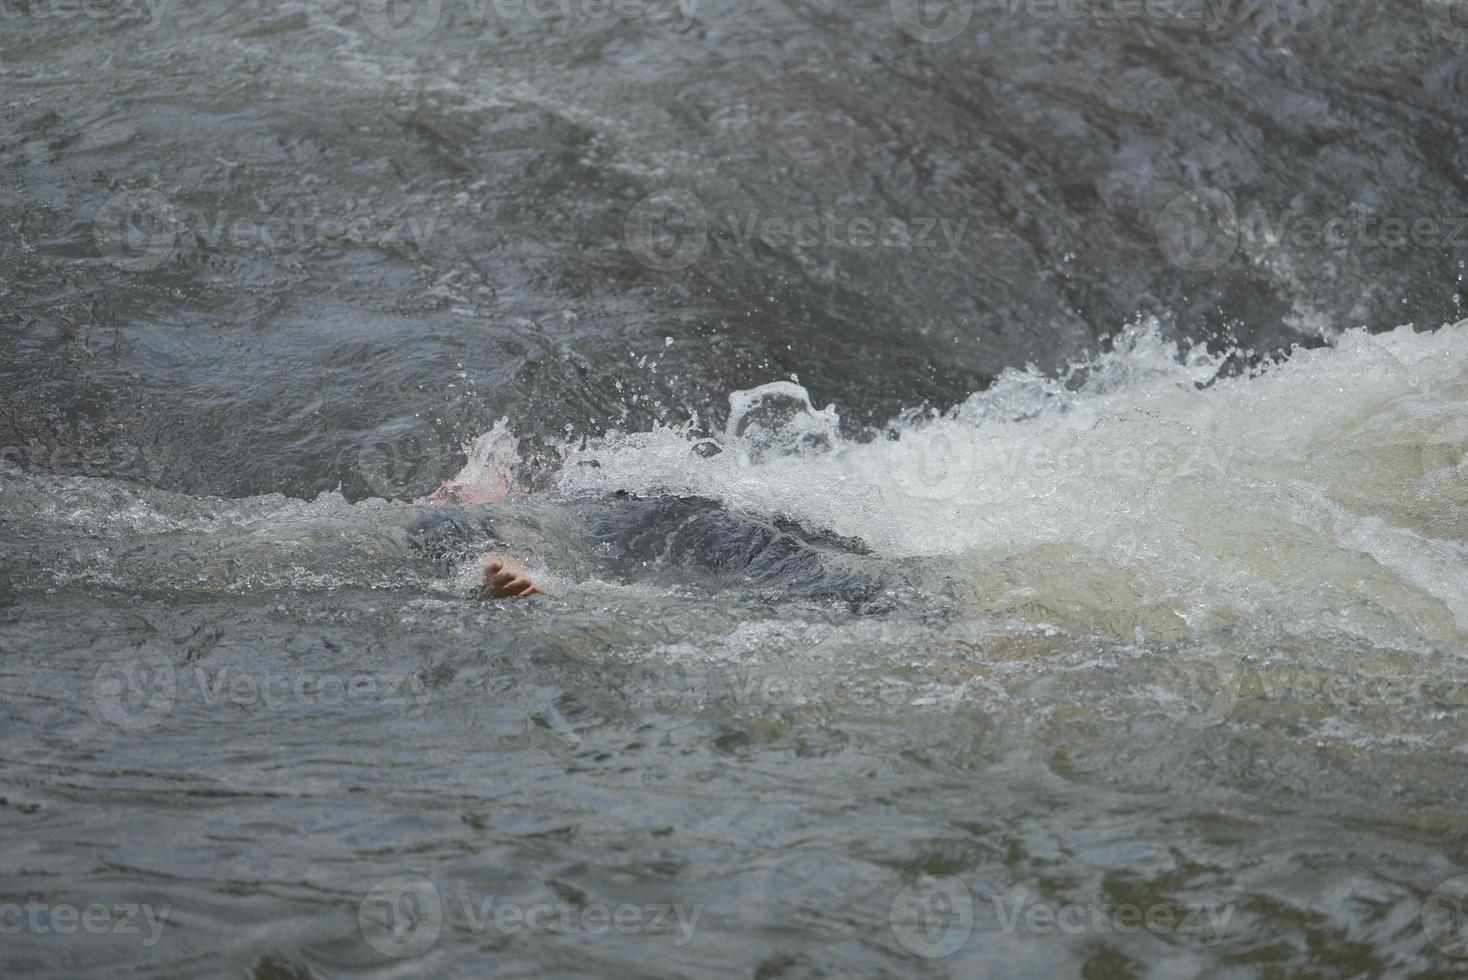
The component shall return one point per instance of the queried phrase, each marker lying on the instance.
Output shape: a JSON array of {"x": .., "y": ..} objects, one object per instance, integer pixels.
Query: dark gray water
[{"x": 1160, "y": 666}]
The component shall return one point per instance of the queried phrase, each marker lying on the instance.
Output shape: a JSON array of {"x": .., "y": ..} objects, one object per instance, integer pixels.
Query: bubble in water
[{"x": 777, "y": 419}]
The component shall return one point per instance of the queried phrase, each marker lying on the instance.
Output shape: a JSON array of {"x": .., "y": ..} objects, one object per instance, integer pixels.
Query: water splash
[
  {"x": 1325, "y": 492},
  {"x": 486, "y": 475}
]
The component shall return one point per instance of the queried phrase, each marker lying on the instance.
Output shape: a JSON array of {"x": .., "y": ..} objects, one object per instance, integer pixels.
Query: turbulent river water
[{"x": 1118, "y": 348}]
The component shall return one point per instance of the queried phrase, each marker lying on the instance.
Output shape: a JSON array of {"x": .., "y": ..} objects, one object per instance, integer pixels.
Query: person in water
[
  {"x": 632, "y": 536},
  {"x": 501, "y": 579}
]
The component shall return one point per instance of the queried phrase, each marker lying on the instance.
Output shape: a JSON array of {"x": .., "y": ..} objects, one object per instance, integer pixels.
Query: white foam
[{"x": 1323, "y": 492}]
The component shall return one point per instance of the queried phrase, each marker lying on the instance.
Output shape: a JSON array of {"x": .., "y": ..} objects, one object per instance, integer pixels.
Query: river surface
[{"x": 1122, "y": 346}]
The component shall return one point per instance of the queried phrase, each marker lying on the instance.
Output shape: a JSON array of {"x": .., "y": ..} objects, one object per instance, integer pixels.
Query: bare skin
[{"x": 503, "y": 581}]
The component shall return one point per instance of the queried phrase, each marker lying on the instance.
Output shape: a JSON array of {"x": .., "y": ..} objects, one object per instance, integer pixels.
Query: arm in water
[
  {"x": 691, "y": 539},
  {"x": 502, "y": 580}
]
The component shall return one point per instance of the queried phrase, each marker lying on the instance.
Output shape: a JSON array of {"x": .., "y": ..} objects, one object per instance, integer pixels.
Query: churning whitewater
[
  {"x": 973, "y": 537},
  {"x": 1145, "y": 488},
  {"x": 1152, "y": 492}
]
